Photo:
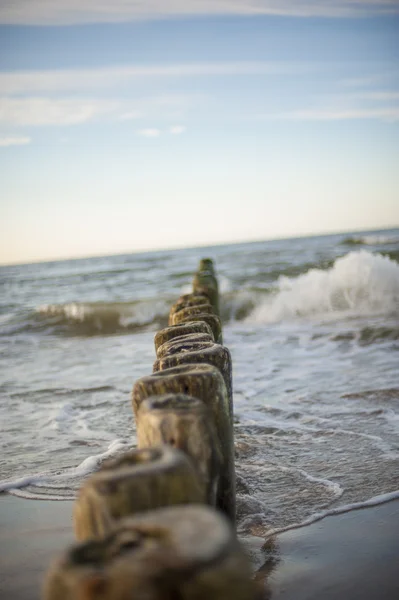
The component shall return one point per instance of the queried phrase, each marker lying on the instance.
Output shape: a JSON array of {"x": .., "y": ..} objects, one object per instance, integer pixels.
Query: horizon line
[{"x": 209, "y": 245}]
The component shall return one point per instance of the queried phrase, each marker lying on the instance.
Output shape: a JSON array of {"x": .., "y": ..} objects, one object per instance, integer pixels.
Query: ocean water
[{"x": 313, "y": 328}]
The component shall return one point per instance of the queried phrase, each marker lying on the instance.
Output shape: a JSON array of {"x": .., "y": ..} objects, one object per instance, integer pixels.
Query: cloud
[
  {"x": 372, "y": 80},
  {"x": 151, "y": 132},
  {"x": 177, "y": 129},
  {"x": 16, "y": 140},
  {"x": 378, "y": 104},
  {"x": 130, "y": 116},
  {"x": 337, "y": 114},
  {"x": 63, "y": 12},
  {"x": 45, "y": 111},
  {"x": 69, "y": 80},
  {"x": 48, "y": 111}
]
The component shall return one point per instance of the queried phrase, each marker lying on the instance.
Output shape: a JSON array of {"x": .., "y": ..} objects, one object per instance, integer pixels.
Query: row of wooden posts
[{"x": 158, "y": 523}]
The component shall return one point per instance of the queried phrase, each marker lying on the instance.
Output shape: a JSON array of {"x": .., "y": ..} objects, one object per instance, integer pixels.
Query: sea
[{"x": 312, "y": 324}]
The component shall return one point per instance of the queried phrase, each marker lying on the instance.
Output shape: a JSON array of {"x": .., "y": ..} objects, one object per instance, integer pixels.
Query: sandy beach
[
  {"x": 353, "y": 555},
  {"x": 31, "y": 534}
]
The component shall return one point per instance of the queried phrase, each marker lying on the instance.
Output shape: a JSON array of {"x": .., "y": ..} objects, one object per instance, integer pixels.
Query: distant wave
[
  {"x": 88, "y": 318},
  {"x": 94, "y": 318},
  {"x": 369, "y": 240},
  {"x": 359, "y": 282}
]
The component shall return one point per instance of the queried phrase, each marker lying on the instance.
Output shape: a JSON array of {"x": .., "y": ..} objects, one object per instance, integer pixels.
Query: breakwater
[{"x": 158, "y": 522}]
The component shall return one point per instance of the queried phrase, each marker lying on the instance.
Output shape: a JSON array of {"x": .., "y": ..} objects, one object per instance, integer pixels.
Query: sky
[{"x": 149, "y": 124}]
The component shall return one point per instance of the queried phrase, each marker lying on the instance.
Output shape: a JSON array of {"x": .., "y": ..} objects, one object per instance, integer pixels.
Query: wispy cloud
[
  {"x": 43, "y": 111},
  {"x": 150, "y": 132},
  {"x": 61, "y": 12},
  {"x": 373, "y": 80},
  {"x": 378, "y": 104},
  {"x": 130, "y": 116},
  {"x": 59, "y": 97},
  {"x": 338, "y": 114},
  {"x": 69, "y": 80},
  {"x": 177, "y": 129},
  {"x": 48, "y": 111},
  {"x": 16, "y": 140},
  {"x": 153, "y": 132}
]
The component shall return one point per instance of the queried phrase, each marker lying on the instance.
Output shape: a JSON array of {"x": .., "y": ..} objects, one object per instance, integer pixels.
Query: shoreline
[{"x": 351, "y": 555}]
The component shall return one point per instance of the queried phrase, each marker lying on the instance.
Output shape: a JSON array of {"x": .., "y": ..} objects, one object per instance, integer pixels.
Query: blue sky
[{"x": 162, "y": 124}]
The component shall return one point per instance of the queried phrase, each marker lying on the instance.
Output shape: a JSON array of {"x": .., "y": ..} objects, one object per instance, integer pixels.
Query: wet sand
[
  {"x": 351, "y": 556},
  {"x": 32, "y": 532}
]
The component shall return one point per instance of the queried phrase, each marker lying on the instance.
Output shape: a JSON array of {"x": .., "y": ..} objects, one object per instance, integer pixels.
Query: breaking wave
[
  {"x": 360, "y": 283},
  {"x": 89, "y": 318},
  {"x": 93, "y": 318},
  {"x": 369, "y": 240}
]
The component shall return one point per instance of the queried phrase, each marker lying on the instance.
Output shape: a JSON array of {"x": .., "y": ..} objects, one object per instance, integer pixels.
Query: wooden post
[
  {"x": 185, "y": 423},
  {"x": 169, "y": 333},
  {"x": 186, "y": 301},
  {"x": 180, "y": 345},
  {"x": 184, "y": 314},
  {"x": 205, "y": 382},
  {"x": 205, "y": 283},
  {"x": 206, "y": 264},
  {"x": 212, "y": 320},
  {"x": 136, "y": 481},
  {"x": 200, "y": 352},
  {"x": 183, "y": 339},
  {"x": 185, "y": 553}
]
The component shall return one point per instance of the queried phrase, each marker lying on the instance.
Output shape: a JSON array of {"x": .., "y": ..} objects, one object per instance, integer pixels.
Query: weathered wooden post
[
  {"x": 136, "y": 481},
  {"x": 169, "y": 333},
  {"x": 185, "y": 553},
  {"x": 184, "y": 302},
  {"x": 199, "y": 352},
  {"x": 190, "y": 338},
  {"x": 207, "y": 264},
  {"x": 185, "y": 423},
  {"x": 205, "y": 382},
  {"x": 205, "y": 283},
  {"x": 212, "y": 320},
  {"x": 185, "y": 313},
  {"x": 190, "y": 344}
]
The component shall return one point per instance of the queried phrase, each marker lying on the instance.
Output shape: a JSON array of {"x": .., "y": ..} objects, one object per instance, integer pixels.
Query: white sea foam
[
  {"x": 68, "y": 479},
  {"x": 372, "y": 240},
  {"x": 359, "y": 282},
  {"x": 10, "y": 484},
  {"x": 332, "y": 486}
]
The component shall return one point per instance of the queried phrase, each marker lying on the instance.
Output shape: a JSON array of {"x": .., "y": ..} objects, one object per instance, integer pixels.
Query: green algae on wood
[
  {"x": 206, "y": 264},
  {"x": 206, "y": 283},
  {"x": 189, "y": 552},
  {"x": 136, "y": 481},
  {"x": 205, "y": 382},
  {"x": 169, "y": 333},
  {"x": 185, "y": 423}
]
